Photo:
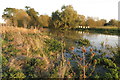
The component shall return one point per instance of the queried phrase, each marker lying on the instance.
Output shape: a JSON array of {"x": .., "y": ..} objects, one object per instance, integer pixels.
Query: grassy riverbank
[
  {"x": 27, "y": 53},
  {"x": 104, "y": 30},
  {"x": 31, "y": 53}
]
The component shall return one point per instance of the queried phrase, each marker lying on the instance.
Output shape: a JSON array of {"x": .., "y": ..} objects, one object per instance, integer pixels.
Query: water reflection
[{"x": 95, "y": 38}]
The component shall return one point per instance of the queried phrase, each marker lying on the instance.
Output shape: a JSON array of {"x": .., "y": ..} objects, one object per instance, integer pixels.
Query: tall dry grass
[
  {"x": 4, "y": 29},
  {"x": 23, "y": 42}
]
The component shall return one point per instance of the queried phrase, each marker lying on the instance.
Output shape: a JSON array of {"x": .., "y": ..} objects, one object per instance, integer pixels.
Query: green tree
[
  {"x": 90, "y": 22},
  {"x": 69, "y": 17},
  {"x": 33, "y": 15},
  {"x": 23, "y": 19},
  {"x": 100, "y": 22},
  {"x": 16, "y": 17},
  {"x": 113, "y": 22},
  {"x": 44, "y": 20},
  {"x": 82, "y": 20},
  {"x": 8, "y": 15},
  {"x": 56, "y": 21}
]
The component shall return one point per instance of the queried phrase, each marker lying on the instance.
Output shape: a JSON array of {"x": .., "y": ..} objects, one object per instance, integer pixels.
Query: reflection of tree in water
[{"x": 68, "y": 36}]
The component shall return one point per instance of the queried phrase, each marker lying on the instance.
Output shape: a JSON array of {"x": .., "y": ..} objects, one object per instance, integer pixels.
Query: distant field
[
  {"x": 103, "y": 29},
  {"x": 107, "y": 27}
]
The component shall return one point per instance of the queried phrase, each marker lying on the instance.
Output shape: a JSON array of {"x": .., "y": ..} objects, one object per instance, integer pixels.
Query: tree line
[{"x": 67, "y": 17}]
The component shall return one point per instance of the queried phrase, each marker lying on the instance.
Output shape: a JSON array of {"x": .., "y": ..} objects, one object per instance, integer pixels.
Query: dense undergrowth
[{"x": 29, "y": 53}]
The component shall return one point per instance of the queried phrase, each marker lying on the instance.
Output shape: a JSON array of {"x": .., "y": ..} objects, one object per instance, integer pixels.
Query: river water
[{"x": 96, "y": 39}]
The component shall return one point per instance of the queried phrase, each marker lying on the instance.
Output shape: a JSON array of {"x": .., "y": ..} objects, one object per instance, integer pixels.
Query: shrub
[
  {"x": 53, "y": 45},
  {"x": 82, "y": 42}
]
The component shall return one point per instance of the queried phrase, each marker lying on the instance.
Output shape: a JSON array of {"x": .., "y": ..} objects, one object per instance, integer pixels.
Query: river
[{"x": 96, "y": 39}]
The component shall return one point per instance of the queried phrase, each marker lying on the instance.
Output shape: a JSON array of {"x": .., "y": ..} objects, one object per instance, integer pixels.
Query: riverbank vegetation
[
  {"x": 31, "y": 51},
  {"x": 67, "y": 17},
  {"x": 27, "y": 54},
  {"x": 103, "y": 30}
]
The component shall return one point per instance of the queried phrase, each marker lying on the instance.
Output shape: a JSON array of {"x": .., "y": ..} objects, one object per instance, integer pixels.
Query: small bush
[
  {"x": 82, "y": 42},
  {"x": 53, "y": 45}
]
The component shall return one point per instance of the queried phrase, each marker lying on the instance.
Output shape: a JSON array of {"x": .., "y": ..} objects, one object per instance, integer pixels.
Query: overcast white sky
[{"x": 104, "y": 9}]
